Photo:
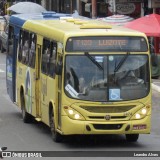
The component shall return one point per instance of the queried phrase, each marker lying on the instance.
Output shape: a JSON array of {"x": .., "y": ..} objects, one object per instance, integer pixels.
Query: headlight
[
  {"x": 73, "y": 114},
  {"x": 76, "y": 116},
  {"x": 70, "y": 111},
  {"x": 138, "y": 116},
  {"x": 141, "y": 113},
  {"x": 144, "y": 111}
]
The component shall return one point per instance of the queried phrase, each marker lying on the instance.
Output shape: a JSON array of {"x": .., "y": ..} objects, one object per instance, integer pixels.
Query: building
[
  {"x": 100, "y": 8},
  {"x": 103, "y": 8},
  {"x": 65, "y": 6}
]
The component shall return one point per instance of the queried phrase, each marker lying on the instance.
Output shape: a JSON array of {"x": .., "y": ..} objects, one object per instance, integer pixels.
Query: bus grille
[
  {"x": 107, "y": 109},
  {"x": 107, "y": 126},
  {"x": 112, "y": 117}
]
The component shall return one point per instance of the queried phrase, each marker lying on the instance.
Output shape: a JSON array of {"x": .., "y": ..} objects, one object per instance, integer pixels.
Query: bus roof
[
  {"x": 76, "y": 27},
  {"x": 20, "y": 19}
]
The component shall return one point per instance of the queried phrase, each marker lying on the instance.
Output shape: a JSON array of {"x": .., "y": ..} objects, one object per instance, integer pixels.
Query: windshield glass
[{"x": 96, "y": 77}]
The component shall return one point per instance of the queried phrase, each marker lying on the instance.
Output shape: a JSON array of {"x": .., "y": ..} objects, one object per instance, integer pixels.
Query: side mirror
[
  {"x": 58, "y": 69},
  {"x": 3, "y": 148}
]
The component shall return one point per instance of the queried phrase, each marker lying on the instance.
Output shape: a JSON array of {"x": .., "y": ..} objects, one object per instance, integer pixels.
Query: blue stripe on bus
[{"x": 20, "y": 19}]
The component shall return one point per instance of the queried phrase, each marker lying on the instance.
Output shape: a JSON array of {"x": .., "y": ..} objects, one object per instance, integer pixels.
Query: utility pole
[
  {"x": 94, "y": 9},
  {"x": 58, "y": 5},
  {"x": 79, "y": 7},
  {"x": 43, "y": 3},
  {"x": 50, "y": 5},
  {"x": 114, "y": 7}
]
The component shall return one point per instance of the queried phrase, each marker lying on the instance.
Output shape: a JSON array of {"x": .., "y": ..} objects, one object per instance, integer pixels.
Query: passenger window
[
  {"x": 32, "y": 50},
  {"x": 49, "y": 55},
  {"x": 23, "y": 54},
  {"x": 10, "y": 39},
  {"x": 45, "y": 56},
  {"x": 25, "y": 48},
  {"x": 52, "y": 59},
  {"x": 19, "y": 49}
]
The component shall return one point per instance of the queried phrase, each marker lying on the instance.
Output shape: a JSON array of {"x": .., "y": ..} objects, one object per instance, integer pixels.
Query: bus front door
[{"x": 37, "y": 84}]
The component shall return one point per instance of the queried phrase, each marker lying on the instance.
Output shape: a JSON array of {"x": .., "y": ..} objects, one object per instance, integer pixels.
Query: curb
[{"x": 155, "y": 87}]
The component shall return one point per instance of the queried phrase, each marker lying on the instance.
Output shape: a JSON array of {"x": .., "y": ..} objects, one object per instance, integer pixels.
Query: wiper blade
[
  {"x": 93, "y": 60},
  {"x": 120, "y": 64}
]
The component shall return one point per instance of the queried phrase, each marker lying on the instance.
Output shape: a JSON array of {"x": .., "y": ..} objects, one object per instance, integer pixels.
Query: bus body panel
[
  {"x": 46, "y": 92},
  {"x": 80, "y": 127},
  {"x": 17, "y": 22},
  {"x": 10, "y": 77},
  {"x": 11, "y": 67}
]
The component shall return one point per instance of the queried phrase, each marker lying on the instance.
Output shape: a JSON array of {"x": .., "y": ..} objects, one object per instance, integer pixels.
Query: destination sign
[{"x": 118, "y": 44}]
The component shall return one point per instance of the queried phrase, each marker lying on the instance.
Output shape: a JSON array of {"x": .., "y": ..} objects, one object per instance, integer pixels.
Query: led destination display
[{"x": 118, "y": 44}]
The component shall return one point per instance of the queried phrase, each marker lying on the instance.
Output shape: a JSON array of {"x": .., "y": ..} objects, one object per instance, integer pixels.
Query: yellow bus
[{"x": 84, "y": 78}]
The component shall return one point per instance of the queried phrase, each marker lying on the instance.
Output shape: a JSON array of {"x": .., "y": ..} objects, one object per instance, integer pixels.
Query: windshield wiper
[
  {"x": 120, "y": 64},
  {"x": 93, "y": 60}
]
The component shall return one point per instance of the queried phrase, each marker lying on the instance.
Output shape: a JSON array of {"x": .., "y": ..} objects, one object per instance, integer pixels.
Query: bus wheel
[
  {"x": 25, "y": 116},
  {"x": 55, "y": 135},
  {"x": 132, "y": 137}
]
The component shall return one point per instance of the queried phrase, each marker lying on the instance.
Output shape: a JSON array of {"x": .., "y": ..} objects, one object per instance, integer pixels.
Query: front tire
[
  {"x": 132, "y": 137},
  {"x": 55, "y": 135},
  {"x": 25, "y": 116}
]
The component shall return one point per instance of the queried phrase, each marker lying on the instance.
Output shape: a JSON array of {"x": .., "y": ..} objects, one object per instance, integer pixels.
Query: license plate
[{"x": 139, "y": 127}]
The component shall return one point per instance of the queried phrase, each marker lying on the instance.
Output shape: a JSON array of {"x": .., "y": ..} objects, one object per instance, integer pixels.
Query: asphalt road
[{"x": 17, "y": 136}]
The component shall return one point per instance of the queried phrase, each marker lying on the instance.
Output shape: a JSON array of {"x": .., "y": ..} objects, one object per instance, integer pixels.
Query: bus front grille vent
[
  {"x": 103, "y": 117},
  {"x": 107, "y": 109},
  {"x": 107, "y": 126}
]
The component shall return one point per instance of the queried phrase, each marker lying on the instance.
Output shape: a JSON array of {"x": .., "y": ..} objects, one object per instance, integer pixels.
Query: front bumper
[{"x": 75, "y": 127}]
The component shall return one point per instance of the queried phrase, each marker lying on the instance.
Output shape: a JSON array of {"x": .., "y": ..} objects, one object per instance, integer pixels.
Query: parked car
[{"x": 3, "y": 34}]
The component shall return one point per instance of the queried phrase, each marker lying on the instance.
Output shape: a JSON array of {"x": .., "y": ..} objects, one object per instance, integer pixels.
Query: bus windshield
[{"x": 85, "y": 80}]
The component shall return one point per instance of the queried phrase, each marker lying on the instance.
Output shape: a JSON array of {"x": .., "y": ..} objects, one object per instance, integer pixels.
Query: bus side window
[
  {"x": 25, "y": 48},
  {"x": 32, "y": 50},
  {"x": 52, "y": 59},
  {"x": 10, "y": 39},
  {"x": 45, "y": 56},
  {"x": 20, "y": 47}
]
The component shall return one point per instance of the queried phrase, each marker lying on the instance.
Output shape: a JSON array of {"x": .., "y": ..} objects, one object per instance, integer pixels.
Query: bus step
[{"x": 38, "y": 119}]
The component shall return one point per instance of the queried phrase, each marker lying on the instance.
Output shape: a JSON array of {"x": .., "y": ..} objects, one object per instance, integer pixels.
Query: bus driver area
[
  {"x": 88, "y": 78},
  {"x": 98, "y": 119}
]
